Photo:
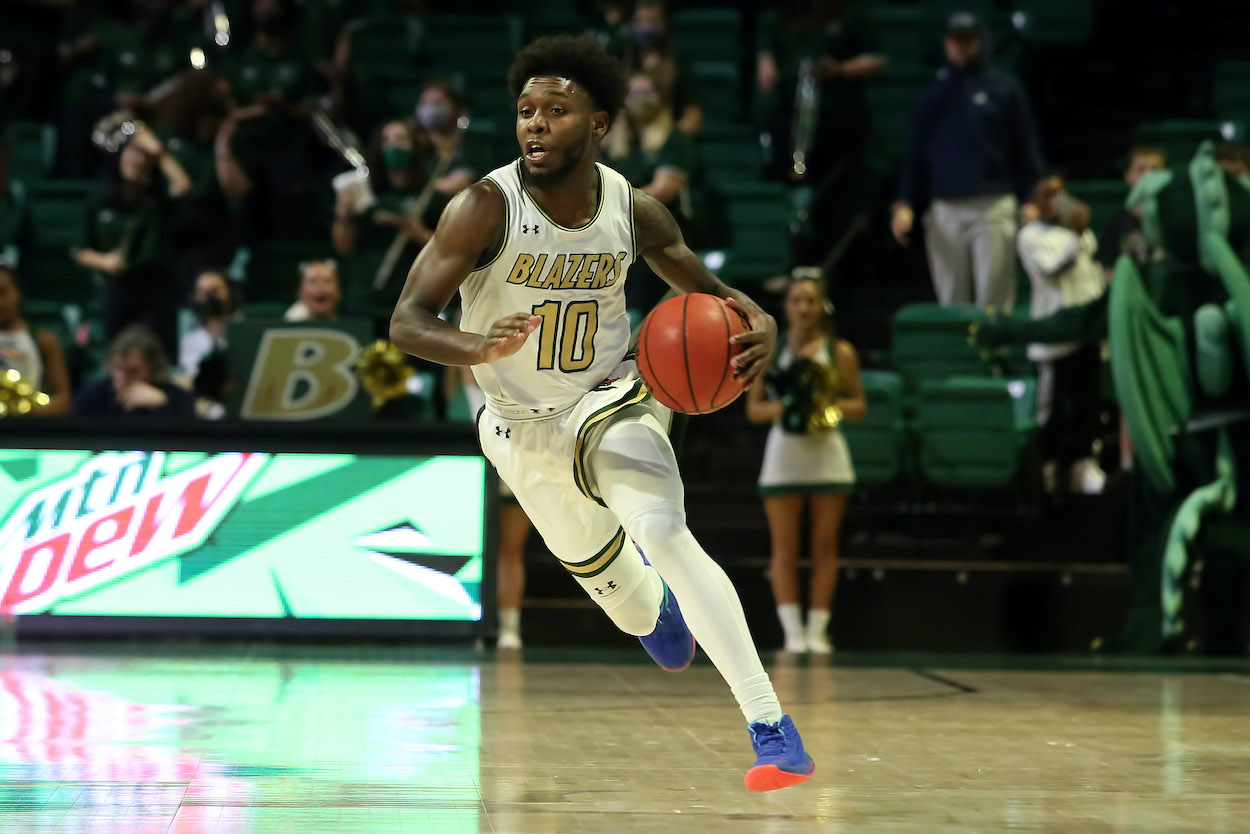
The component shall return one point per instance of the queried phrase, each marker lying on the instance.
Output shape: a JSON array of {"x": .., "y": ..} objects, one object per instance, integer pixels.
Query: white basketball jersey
[{"x": 573, "y": 278}]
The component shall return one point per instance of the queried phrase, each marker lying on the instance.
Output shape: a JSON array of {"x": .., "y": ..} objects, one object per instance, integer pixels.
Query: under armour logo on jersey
[
  {"x": 527, "y": 229},
  {"x": 611, "y": 586},
  {"x": 500, "y": 431}
]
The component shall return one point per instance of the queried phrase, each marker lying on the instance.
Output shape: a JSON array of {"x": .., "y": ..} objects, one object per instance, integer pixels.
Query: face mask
[
  {"x": 648, "y": 37},
  {"x": 396, "y": 158},
  {"x": 434, "y": 116},
  {"x": 209, "y": 308},
  {"x": 642, "y": 107}
]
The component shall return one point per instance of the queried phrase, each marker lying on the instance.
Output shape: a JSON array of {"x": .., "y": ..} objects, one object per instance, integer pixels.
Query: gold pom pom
[
  {"x": 383, "y": 370},
  {"x": 18, "y": 397}
]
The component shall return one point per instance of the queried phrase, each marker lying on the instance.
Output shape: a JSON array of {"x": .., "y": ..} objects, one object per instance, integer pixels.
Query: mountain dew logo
[{"x": 117, "y": 514}]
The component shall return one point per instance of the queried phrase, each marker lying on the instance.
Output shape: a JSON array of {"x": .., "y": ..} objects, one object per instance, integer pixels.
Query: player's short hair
[{"x": 578, "y": 58}]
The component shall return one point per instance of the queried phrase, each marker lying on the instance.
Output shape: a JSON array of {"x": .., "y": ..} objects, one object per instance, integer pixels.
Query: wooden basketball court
[{"x": 228, "y": 738}]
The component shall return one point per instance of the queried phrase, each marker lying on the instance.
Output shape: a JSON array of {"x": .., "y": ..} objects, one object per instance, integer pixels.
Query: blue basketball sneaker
[
  {"x": 671, "y": 644},
  {"x": 780, "y": 760}
]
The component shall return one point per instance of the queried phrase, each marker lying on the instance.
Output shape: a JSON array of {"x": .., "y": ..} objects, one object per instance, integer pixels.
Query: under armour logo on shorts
[
  {"x": 500, "y": 431},
  {"x": 611, "y": 586}
]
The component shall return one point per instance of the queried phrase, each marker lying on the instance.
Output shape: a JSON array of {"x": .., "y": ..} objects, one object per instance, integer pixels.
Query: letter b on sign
[{"x": 301, "y": 373}]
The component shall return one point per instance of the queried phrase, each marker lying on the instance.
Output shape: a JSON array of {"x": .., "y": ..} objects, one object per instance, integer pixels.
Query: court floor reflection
[{"x": 238, "y": 739}]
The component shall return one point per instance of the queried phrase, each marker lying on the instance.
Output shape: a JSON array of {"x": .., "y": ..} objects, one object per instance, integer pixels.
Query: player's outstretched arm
[
  {"x": 660, "y": 241},
  {"x": 472, "y": 226}
]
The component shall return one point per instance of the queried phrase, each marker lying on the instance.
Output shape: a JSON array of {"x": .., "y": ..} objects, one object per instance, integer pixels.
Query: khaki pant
[{"x": 972, "y": 250}]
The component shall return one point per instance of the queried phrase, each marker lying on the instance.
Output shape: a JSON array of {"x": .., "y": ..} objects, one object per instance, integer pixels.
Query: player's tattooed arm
[
  {"x": 470, "y": 230},
  {"x": 660, "y": 241}
]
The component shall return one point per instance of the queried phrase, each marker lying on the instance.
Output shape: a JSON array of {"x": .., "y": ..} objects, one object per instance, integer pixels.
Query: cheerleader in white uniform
[{"x": 803, "y": 464}]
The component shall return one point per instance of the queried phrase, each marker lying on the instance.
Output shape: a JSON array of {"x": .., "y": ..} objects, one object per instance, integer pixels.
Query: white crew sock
[
  {"x": 757, "y": 699},
  {"x": 818, "y": 623},
  {"x": 510, "y": 621},
  {"x": 791, "y": 622}
]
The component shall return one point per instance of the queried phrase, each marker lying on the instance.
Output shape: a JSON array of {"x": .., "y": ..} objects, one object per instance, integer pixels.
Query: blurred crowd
[{"x": 253, "y": 159}]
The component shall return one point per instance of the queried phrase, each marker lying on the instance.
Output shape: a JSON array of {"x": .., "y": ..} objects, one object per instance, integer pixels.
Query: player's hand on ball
[
  {"x": 758, "y": 343},
  {"x": 506, "y": 336}
]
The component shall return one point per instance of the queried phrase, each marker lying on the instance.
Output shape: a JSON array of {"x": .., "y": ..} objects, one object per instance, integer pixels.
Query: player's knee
[{"x": 659, "y": 531}]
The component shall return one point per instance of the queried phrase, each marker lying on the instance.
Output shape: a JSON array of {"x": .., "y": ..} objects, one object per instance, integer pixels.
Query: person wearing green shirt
[
  {"x": 660, "y": 160},
  {"x": 125, "y": 242},
  {"x": 833, "y": 44},
  {"x": 452, "y": 155},
  {"x": 272, "y": 83},
  {"x": 649, "y": 48}
]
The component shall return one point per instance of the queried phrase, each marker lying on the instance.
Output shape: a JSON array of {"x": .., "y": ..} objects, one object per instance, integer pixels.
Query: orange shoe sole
[
  {"x": 693, "y": 645},
  {"x": 771, "y": 778}
]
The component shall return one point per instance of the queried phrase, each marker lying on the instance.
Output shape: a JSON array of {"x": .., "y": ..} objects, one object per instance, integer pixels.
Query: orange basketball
[{"x": 684, "y": 353}]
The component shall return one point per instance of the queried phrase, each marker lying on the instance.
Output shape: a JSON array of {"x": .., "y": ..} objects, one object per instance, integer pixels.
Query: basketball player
[{"x": 539, "y": 250}]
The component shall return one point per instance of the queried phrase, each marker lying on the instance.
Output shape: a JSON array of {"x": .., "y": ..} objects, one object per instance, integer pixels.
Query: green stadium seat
[
  {"x": 731, "y": 152},
  {"x": 32, "y": 150},
  {"x": 273, "y": 272},
  {"x": 397, "y": 97},
  {"x": 467, "y": 41},
  {"x": 720, "y": 90},
  {"x": 1231, "y": 94},
  {"x": 930, "y": 342},
  {"x": 975, "y": 432},
  {"x": 901, "y": 31},
  {"x": 892, "y": 99},
  {"x": 1180, "y": 138},
  {"x": 759, "y": 217},
  {"x": 708, "y": 34},
  {"x": 386, "y": 46},
  {"x": 1054, "y": 22},
  {"x": 1104, "y": 198},
  {"x": 55, "y": 210},
  {"x": 878, "y": 443}
]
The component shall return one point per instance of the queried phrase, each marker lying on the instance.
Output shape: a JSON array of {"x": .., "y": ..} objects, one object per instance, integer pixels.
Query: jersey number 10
[{"x": 574, "y": 330}]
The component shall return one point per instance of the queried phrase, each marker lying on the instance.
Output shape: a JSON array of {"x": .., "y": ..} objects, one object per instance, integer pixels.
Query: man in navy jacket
[{"x": 972, "y": 152}]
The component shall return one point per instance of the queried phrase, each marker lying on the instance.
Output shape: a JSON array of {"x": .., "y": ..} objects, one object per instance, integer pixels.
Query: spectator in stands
[
  {"x": 147, "y": 51},
  {"x": 35, "y": 354},
  {"x": 319, "y": 293},
  {"x": 451, "y": 155},
  {"x": 12, "y": 211},
  {"x": 654, "y": 156},
  {"x": 608, "y": 24},
  {"x": 649, "y": 49},
  {"x": 1234, "y": 158},
  {"x": 202, "y": 351},
  {"x": 803, "y": 463},
  {"x": 645, "y": 146},
  {"x": 973, "y": 151},
  {"x": 125, "y": 239},
  {"x": 138, "y": 383},
  {"x": 1122, "y": 233},
  {"x": 403, "y": 205},
  {"x": 202, "y": 226},
  {"x": 272, "y": 83},
  {"x": 1057, "y": 251},
  {"x": 833, "y": 44}
]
